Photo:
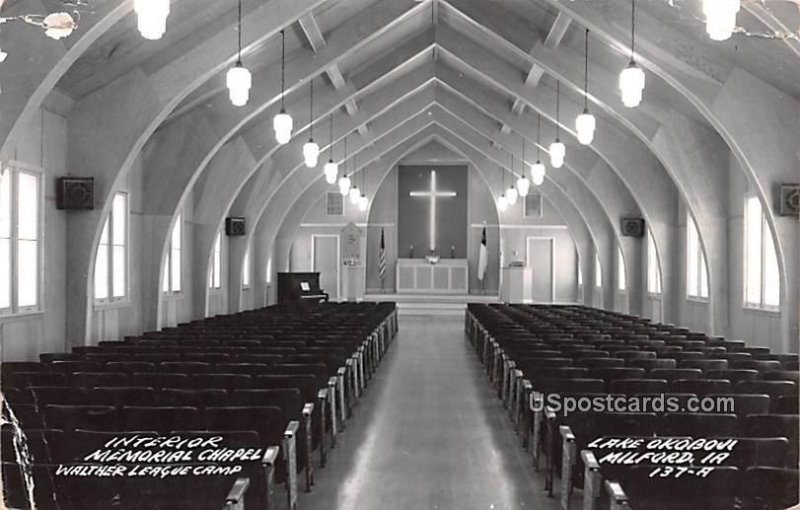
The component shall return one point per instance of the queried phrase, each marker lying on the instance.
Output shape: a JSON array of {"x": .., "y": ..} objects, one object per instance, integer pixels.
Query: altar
[{"x": 446, "y": 276}]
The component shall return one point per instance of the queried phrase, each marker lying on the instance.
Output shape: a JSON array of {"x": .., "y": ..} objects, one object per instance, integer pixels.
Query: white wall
[
  {"x": 757, "y": 326},
  {"x": 116, "y": 320},
  {"x": 178, "y": 308},
  {"x": 43, "y": 148},
  {"x": 515, "y": 231}
]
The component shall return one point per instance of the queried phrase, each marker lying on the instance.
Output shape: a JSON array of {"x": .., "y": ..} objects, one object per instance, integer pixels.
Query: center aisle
[{"x": 428, "y": 434}]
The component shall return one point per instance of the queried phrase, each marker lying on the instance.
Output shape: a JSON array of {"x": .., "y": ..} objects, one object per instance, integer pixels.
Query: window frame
[
  {"x": 694, "y": 290},
  {"x": 14, "y": 168},
  {"x": 169, "y": 289},
  {"x": 622, "y": 277},
  {"x": 764, "y": 236},
  {"x": 247, "y": 267},
  {"x": 110, "y": 299},
  {"x": 216, "y": 268}
]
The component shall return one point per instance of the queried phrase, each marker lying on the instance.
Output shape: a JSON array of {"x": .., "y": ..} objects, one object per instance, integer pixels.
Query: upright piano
[{"x": 300, "y": 287}]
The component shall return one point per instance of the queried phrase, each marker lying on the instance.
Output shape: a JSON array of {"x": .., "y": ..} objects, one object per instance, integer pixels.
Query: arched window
[
  {"x": 762, "y": 288},
  {"x": 215, "y": 271},
  {"x": 246, "y": 268},
  {"x": 111, "y": 263}
]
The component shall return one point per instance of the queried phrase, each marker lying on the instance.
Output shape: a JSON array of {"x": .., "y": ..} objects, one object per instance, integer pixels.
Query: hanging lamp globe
[
  {"x": 512, "y": 195},
  {"x": 585, "y": 125},
  {"x": 631, "y": 85},
  {"x": 151, "y": 18},
  {"x": 355, "y": 195},
  {"x": 537, "y": 173},
  {"x": 311, "y": 153},
  {"x": 331, "y": 171},
  {"x": 721, "y": 18},
  {"x": 558, "y": 151},
  {"x": 283, "y": 125},
  {"x": 502, "y": 203},
  {"x": 363, "y": 203},
  {"x": 344, "y": 185},
  {"x": 239, "y": 82},
  {"x": 523, "y": 186}
]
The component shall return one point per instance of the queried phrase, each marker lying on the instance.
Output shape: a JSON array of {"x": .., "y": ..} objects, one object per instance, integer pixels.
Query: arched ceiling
[{"x": 487, "y": 67}]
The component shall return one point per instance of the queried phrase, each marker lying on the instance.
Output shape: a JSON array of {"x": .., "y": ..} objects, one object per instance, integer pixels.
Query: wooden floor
[{"x": 428, "y": 434}]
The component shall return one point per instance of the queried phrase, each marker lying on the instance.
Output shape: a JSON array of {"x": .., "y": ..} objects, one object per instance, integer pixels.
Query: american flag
[{"x": 382, "y": 259}]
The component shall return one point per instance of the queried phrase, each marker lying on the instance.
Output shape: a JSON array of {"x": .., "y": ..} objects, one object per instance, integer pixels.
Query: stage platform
[{"x": 432, "y": 304}]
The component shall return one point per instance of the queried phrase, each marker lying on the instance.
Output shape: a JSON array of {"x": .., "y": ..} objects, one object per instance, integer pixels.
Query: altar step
[
  {"x": 429, "y": 304},
  {"x": 452, "y": 309}
]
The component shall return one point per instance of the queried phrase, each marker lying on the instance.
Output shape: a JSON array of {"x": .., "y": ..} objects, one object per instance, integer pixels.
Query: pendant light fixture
[
  {"x": 721, "y": 18},
  {"x": 282, "y": 123},
  {"x": 631, "y": 79},
  {"x": 344, "y": 185},
  {"x": 511, "y": 194},
  {"x": 239, "y": 79},
  {"x": 331, "y": 168},
  {"x": 538, "y": 169},
  {"x": 502, "y": 202},
  {"x": 344, "y": 181},
  {"x": 558, "y": 150},
  {"x": 585, "y": 124},
  {"x": 311, "y": 148},
  {"x": 523, "y": 184},
  {"x": 151, "y": 18},
  {"x": 355, "y": 194}
]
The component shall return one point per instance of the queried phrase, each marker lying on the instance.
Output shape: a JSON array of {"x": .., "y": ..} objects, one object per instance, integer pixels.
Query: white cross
[{"x": 433, "y": 194}]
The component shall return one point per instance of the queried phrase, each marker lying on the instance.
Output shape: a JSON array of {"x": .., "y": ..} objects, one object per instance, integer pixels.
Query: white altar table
[{"x": 418, "y": 276}]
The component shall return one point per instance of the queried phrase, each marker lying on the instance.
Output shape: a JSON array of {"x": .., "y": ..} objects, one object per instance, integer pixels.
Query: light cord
[
  {"x": 586, "y": 75},
  {"x": 283, "y": 69},
  {"x": 523, "y": 155},
  {"x": 538, "y": 137},
  {"x": 330, "y": 147},
  {"x": 239, "y": 60},
  {"x": 558, "y": 108},
  {"x": 633, "y": 25}
]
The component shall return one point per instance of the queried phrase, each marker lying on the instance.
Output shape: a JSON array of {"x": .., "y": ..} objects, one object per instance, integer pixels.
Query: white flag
[{"x": 483, "y": 257}]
